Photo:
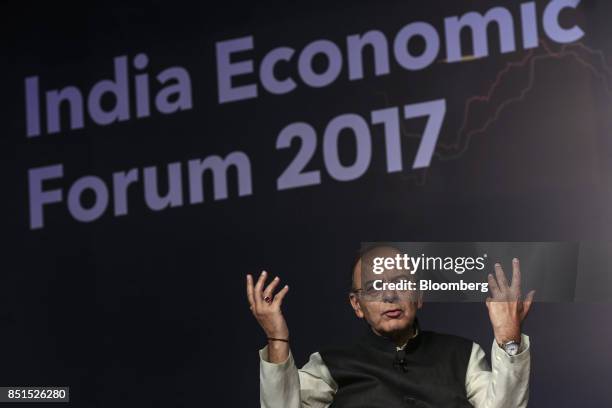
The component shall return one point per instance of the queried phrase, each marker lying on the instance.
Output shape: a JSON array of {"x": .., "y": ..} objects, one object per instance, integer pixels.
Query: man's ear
[
  {"x": 355, "y": 305},
  {"x": 420, "y": 300}
]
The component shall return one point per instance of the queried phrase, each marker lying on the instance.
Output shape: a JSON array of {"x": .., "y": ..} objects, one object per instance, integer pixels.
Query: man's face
[{"x": 388, "y": 312}]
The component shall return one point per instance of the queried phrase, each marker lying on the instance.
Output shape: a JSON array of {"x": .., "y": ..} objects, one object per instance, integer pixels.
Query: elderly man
[{"x": 395, "y": 364}]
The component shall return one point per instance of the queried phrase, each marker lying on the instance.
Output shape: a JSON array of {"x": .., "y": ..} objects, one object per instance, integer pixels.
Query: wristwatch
[{"x": 511, "y": 347}]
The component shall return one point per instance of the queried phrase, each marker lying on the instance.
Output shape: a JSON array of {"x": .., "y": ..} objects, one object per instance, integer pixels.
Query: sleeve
[
  {"x": 507, "y": 385},
  {"x": 284, "y": 386}
]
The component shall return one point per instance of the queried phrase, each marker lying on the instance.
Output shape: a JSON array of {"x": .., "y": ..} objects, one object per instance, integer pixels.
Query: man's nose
[{"x": 390, "y": 296}]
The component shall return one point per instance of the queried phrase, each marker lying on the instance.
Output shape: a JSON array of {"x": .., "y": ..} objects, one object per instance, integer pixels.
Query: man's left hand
[{"x": 506, "y": 308}]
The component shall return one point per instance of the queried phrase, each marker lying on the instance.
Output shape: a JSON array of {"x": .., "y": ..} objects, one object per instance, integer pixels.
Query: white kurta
[{"x": 505, "y": 386}]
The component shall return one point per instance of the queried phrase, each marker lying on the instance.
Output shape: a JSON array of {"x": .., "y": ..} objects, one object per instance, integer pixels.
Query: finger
[
  {"x": 278, "y": 299},
  {"x": 258, "y": 286},
  {"x": 249, "y": 288},
  {"x": 488, "y": 300},
  {"x": 527, "y": 303},
  {"x": 269, "y": 290},
  {"x": 493, "y": 288},
  {"x": 502, "y": 282},
  {"x": 516, "y": 276}
]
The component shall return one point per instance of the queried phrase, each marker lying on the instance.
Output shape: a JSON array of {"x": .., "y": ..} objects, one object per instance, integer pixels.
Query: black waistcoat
[{"x": 430, "y": 372}]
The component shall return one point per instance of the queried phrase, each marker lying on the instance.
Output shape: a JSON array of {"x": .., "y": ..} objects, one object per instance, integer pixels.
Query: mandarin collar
[{"x": 385, "y": 344}]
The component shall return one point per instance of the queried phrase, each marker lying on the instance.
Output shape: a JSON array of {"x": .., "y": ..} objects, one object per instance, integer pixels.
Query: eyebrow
[{"x": 403, "y": 276}]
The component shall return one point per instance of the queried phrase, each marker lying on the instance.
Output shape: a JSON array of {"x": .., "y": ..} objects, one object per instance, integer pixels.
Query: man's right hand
[{"x": 269, "y": 314}]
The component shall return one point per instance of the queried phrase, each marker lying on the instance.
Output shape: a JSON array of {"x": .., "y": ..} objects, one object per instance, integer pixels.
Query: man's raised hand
[
  {"x": 506, "y": 307},
  {"x": 266, "y": 307}
]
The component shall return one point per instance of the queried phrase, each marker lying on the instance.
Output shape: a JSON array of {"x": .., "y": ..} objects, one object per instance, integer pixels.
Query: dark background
[{"x": 149, "y": 309}]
